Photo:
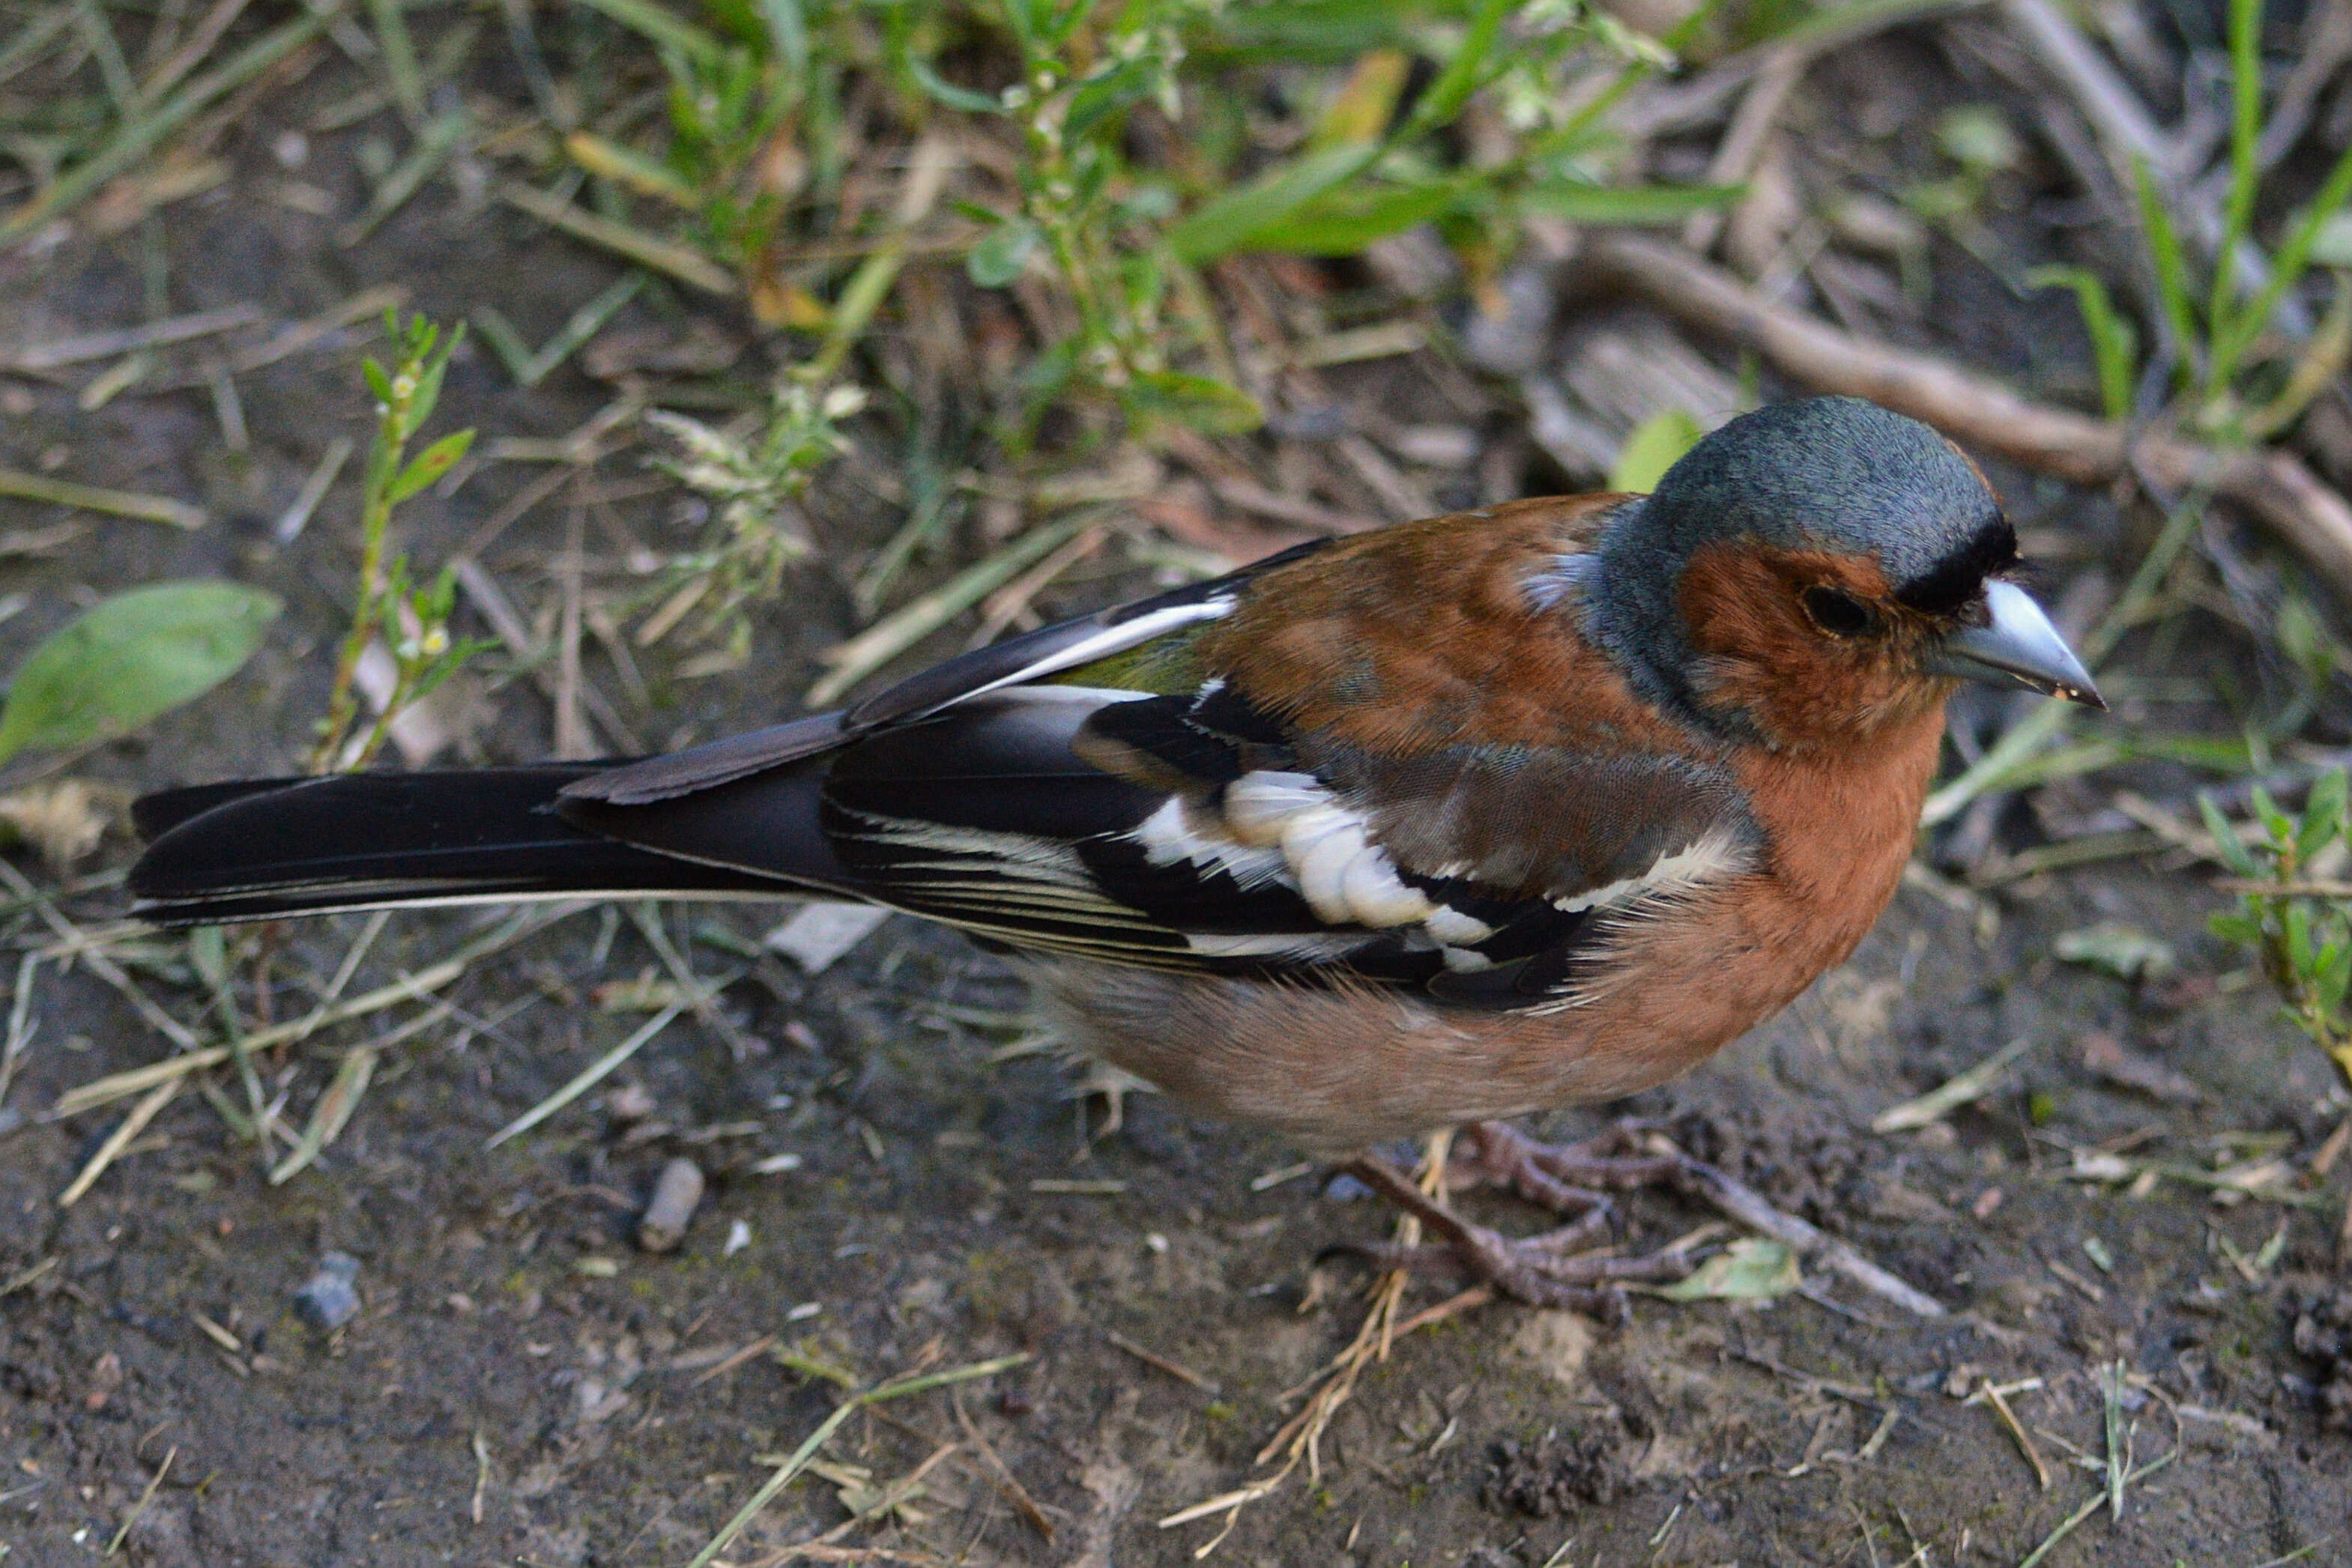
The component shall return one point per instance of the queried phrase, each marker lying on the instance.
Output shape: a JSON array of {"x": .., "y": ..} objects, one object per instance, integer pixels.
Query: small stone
[
  {"x": 678, "y": 1192},
  {"x": 327, "y": 1301},
  {"x": 630, "y": 1102},
  {"x": 822, "y": 932}
]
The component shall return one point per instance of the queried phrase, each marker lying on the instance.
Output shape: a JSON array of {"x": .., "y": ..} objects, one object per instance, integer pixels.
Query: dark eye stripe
[{"x": 1959, "y": 576}]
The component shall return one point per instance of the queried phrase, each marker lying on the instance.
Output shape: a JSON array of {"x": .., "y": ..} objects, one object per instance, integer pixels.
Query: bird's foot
[{"x": 1564, "y": 1266}]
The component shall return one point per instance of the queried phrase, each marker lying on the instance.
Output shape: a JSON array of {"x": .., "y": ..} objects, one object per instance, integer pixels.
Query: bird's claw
[{"x": 1563, "y": 1266}]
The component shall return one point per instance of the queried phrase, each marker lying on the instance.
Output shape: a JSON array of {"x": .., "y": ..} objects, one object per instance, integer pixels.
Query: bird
[{"x": 1434, "y": 826}]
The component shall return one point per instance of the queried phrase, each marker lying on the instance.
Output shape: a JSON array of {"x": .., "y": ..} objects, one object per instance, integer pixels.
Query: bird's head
[{"x": 1814, "y": 570}]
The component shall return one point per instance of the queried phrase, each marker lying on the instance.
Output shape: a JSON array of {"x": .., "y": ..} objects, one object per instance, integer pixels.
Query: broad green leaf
[
  {"x": 1001, "y": 254},
  {"x": 1227, "y": 222},
  {"x": 1750, "y": 1269},
  {"x": 130, "y": 658},
  {"x": 2237, "y": 928},
  {"x": 429, "y": 464},
  {"x": 1211, "y": 407},
  {"x": 1625, "y": 204},
  {"x": 1343, "y": 222},
  {"x": 1656, "y": 444}
]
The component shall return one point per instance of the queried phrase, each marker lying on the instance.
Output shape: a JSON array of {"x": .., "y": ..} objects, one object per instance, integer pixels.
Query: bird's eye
[{"x": 1837, "y": 613}]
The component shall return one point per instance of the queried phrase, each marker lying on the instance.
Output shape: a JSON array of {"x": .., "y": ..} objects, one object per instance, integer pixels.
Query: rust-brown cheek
[{"x": 1761, "y": 659}]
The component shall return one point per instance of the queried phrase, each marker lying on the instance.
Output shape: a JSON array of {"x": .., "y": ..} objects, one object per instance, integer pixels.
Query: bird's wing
[
  {"x": 1104, "y": 637},
  {"x": 1106, "y": 788}
]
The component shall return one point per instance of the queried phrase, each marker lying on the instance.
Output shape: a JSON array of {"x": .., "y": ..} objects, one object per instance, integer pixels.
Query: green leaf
[
  {"x": 421, "y": 402},
  {"x": 947, "y": 92},
  {"x": 379, "y": 381},
  {"x": 2323, "y": 816},
  {"x": 1227, "y": 222},
  {"x": 1750, "y": 1269},
  {"x": 2238, "y": 928},
  {"x": 130, "y": 658},
  {"x": 1625, "y": 204},
  {"x": 663, "y": 26},
  {"x": 429, "y": 464},
  {"x": 2293, "y": 260},
  {"x": 1656, "y": 444},
  {"x": 2335, "y": 977},
  {"x": 788, "y": 35},
  {"x": 1196, "y": 402},
  {"x": 1343, "y": 222},
  {"x": 2226, "y": 842},
  {"x": 2112, "y": 339},
  {"x": 1001, "y": 252},
  {"x": 2171, "y": 267},
  {"x": 1107, "y": 93},
  {"x": 1464, "y": 74},
  {"x": 2245, "y": 30}
]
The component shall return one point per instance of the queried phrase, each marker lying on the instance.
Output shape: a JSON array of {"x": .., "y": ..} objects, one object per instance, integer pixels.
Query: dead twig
[{"x": 2275, "y": 486}]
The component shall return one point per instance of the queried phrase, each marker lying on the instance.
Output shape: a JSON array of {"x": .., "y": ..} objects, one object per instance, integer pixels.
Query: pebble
[
  {"x": 678, "y": 1192},
  {"x": 327, "y": 1301},
  {"x": 630, "y": 1102}
]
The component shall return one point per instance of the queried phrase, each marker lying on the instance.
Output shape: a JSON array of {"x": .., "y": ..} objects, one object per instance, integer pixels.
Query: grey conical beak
[{"x": 2016, "y": 646}]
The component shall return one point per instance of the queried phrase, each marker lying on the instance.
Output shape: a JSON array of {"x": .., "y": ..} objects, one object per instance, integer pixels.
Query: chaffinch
[{"x": 1528, "y": 807}]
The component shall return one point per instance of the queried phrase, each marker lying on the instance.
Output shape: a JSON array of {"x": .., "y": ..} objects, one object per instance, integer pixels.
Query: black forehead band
[{"x": 1959, "y": 576}]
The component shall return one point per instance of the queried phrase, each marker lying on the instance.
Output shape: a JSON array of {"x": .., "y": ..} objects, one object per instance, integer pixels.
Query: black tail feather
[{"x": 271, "y": 847}]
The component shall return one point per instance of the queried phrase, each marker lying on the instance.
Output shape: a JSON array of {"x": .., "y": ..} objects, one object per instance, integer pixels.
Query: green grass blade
[
  {"x": 132, "y": 142},
  {"x": 2291, "y": 262},
  {"x": 1625, "y": 204},
  {"x": 2171, "y": 269},
  {"x": 2112, "y": 347},
  {"x": 2245, "y": 182},
  {"x": 663, "y": 26},
  {"x": 1462, "y": 75},
  {"x": 1225, "y": 223}
]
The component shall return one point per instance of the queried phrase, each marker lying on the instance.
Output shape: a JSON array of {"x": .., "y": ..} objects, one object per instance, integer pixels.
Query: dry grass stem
[
  {"x": 146, "y": 1497},
  {"x": 117, "y": 1141},
  {"x": 1175, "y": 1369},
  {"x": 1994, "y": 1396},
  {"x": 92, "y": 498}
]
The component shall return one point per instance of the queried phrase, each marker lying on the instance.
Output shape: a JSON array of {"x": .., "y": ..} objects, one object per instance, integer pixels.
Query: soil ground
[{"x": 523, "y": 1384}]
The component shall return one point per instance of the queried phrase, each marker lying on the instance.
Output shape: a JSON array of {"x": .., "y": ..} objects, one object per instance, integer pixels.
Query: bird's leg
[
  {"x": 1567, "y": 1178},
  {"x": 1557, "y": 1268}
]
